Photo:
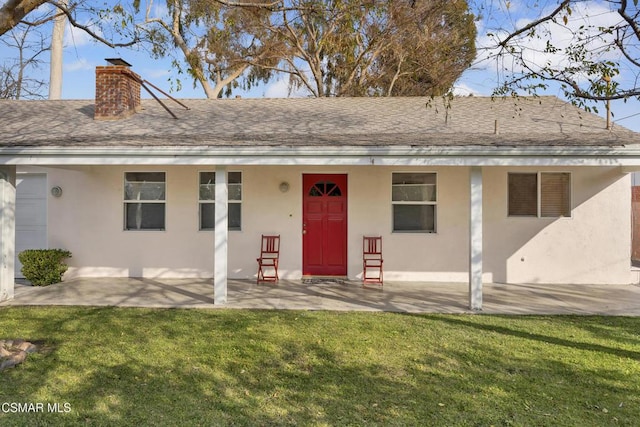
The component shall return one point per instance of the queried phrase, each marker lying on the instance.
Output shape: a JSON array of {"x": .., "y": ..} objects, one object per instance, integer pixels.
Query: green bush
[{"x": 43, "y": 267}]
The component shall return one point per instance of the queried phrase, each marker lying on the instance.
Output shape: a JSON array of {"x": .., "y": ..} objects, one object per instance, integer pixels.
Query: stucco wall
[{"x": 593, "y": 246}]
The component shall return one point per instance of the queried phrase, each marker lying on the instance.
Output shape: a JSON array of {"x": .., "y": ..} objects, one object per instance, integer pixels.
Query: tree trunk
[
  {"x": 210, "y": 92},
  {"x": 57, "y": 38}
]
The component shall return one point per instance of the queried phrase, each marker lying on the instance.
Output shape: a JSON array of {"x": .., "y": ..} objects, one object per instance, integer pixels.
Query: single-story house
[{"x": 471, "y": 189}]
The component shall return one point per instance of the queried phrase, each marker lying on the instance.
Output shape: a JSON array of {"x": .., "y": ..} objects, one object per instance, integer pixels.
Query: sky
[{"x": 82, "y": 54}]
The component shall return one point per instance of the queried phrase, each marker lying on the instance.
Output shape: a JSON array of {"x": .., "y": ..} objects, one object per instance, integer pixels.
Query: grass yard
[{"x": 117, "y": 366}]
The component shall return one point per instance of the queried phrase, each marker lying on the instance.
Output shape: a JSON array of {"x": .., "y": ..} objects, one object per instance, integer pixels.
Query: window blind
[{"x": 555, "y": 195}]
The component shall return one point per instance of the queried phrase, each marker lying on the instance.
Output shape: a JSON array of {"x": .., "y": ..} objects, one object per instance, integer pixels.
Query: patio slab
[{"x": 410, "y": 297}]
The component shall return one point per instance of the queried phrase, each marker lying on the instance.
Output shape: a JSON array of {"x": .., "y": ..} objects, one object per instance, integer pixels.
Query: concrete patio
[{"x": 414, "y": 297}]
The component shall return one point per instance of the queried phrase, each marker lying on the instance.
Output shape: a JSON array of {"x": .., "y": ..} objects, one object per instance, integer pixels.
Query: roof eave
[{"x": 345, "y": 155}]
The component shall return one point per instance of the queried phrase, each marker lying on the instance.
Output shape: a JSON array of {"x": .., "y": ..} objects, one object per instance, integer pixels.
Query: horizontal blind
[{"x": 555, "y": 192}]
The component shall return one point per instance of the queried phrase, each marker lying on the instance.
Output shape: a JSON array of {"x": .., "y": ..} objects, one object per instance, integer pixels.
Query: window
[
  {"x": 208, "y": 198},
  {"x": 545, "y": 194},
  {"x": 144, "y": 200},
  {"x": 413, "y": 197},
  {"x": 325, "y": 188},
  {"x": 523, "y": 194}
]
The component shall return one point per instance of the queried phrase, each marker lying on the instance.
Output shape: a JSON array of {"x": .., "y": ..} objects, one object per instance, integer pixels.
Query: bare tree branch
[
  {"x": 534, "y": 24},
  {"x": 630, "y": 21},
  {"x": 589, "y": 50},
  {"x": 15, "y": 82},
  {"x": 88, "y": 30},
  {"x": 13, "y": 12}
]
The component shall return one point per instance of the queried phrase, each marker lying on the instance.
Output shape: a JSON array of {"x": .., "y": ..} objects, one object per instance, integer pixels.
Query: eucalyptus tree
[
  {"x": 217, "y": 44},
  {"x": 589, "y": 61},
  {"x": 12, "y": 12},
  {"x": 374, "y": 47},
  {"x": 433, "y": 42},
  {"x": 327, "y": 47}
]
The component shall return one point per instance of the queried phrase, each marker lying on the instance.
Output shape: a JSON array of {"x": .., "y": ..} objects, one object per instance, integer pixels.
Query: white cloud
[
  {"x": 79, "y": 65},
  {"x": 463, "y": 89},
  {"x": 76, "y": 37},
  {"x": 277, "y": 89},
  {"x": 155, "y": 73},
  {"x": 280, "y": 89}
]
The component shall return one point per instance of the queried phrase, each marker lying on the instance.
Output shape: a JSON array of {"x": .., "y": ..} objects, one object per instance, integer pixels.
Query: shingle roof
[{"x": 415, "y": 122}]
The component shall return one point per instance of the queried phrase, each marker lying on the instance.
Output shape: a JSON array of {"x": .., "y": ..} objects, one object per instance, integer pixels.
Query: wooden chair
[
  {"x": 372, "y": 260},
  {"x": 269, "y": 257}
]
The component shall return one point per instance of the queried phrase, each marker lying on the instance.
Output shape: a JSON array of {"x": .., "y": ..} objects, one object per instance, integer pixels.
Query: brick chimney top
[
  {"x": 117, "y": 91},
  {"x": 117, "y": 61}
]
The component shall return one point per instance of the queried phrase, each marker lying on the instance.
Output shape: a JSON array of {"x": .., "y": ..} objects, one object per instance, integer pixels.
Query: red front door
[{"x": 324, "y": 225}]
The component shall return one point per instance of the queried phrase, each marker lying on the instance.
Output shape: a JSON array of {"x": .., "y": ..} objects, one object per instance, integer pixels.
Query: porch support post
[
  {"x": 475, "y": 238},
  {"x": 221, "y": 238},
  {"x": 7, "y": 231}
]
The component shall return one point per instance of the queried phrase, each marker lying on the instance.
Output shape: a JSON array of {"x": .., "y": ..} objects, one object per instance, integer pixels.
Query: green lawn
[{"x": 224, "y": 367}]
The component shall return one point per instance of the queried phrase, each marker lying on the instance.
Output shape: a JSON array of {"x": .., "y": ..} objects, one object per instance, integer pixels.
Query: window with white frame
[
  {"x": 208, "y": 200},
  {"x": 144, "y": 200},
  {"x": 414, "y": 199},
  {"x": 539, "y": 194}
]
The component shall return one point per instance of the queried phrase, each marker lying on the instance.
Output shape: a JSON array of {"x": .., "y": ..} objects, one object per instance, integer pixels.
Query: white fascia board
[{"x": 282, "y": 155}]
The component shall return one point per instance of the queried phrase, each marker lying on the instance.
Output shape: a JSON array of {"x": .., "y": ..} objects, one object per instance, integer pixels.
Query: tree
[
  {"x": 13, "y": 12},
  {"x": 191, "y": 26},
  {"x": 57, "y": 46},
  {"x": 218, "y": 44},
  {"x": 112, "y": 26},
  {"x": 327, "y": 47},
  {"x": 374, "y": 47},
  {"x": 15, "y": 82},
  {"x": 591, "y": 49},
  {"x": 435, "y": 43}
]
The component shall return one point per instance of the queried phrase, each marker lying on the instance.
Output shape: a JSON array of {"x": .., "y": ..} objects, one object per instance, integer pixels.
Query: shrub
[{"x": 43, "y": 267}]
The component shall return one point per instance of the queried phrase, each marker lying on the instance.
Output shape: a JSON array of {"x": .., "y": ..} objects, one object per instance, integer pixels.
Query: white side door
[{"x": 31, "y": 214}]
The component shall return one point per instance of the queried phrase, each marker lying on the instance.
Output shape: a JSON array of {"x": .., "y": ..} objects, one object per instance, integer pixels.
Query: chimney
[{"x": 117, "y": 91}]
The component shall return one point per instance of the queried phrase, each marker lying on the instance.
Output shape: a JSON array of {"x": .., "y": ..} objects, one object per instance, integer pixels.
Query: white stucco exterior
[{"x": 593, "y": 246}]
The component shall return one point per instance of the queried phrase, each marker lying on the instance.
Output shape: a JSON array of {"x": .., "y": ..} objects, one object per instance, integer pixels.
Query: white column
[
  {"x": 7, "y": 231},
  {"x": 475, "y": 238},
  {"x": 221, "y": 239}
]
